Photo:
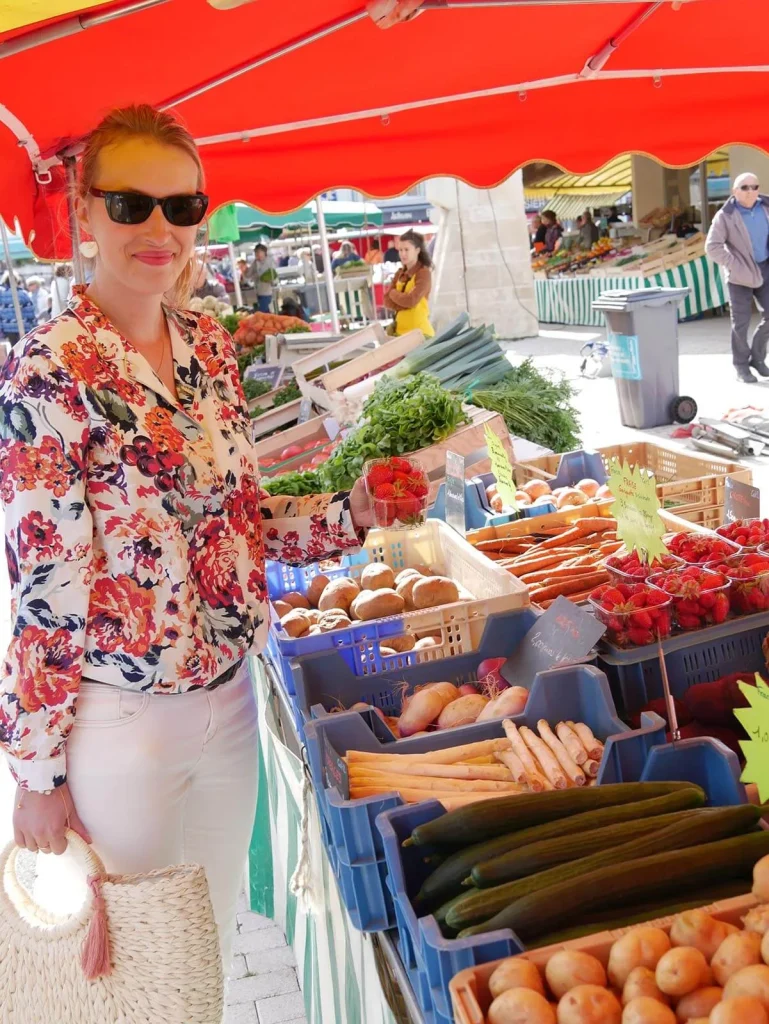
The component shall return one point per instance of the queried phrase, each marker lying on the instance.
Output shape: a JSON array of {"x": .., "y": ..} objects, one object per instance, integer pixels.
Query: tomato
[{"x": 292, "y": 451}]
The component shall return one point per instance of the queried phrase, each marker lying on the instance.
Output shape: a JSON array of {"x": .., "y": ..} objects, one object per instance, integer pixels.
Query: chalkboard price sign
[
  {"x": 563, "y": 635},
  {"x": 268, "y": 373},
  {"x": 741, "y": 501}
]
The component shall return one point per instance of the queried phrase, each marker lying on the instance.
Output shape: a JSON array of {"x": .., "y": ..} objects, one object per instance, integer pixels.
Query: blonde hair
[{"x": 143, "y": 121}]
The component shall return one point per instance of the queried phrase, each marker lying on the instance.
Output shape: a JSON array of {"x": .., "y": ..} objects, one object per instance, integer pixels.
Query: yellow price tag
[
  {"x": 636, "y": 508},
  {"x": 501, "y": 468},
  {"x": 755, "y": 720}
]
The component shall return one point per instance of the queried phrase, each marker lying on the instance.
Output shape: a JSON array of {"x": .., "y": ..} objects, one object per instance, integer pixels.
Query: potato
[
  {"x": 423, "y": 570},
  {"x": 698, "y": 929},
  {"x": 296, "y": 600},
  {"x": 374, "y": 604},
  {"x": 640, "y": 947},
  {"x": 536, "y": 489},
  {"x": 589, "y": 1004},
  {"x": 681, "y": 970},
  {"x": 425, "y": 642},
  {"x": 406, "y": 586},
  {"x": 734, "y": 953},
  {"x": 377, "y": 577},
  {"x": 401, "y": 643},
  {"x": 568, "y": 968},
  {"x": 314, "y": 631},
  {"x": 515, "y": 973},
  {"x": 338, "y": 593},
  {"x": 296, "y": 623},
  {"x": 740, "y": 1010},
  {"x": 647, "y": 1010},
  {"x": 334, "y": 619},
  {"x": 313, "y": 615},
  {"x": 520, "y": 1006},
  {"x": 750, "y": 981},
  {"x": 761, "y": 880},
  {"x": 317, "y": 585},
  {"x": 641, "y": 983},
  {"x": 698, "y": 1003},
  {"x": 757, "y": 920},
  {"x": 387, "y": 652},
  {"x": 430, "y": 593},
  {"x": 404, "y": 575},
  {"x": 282, "y": 608}
]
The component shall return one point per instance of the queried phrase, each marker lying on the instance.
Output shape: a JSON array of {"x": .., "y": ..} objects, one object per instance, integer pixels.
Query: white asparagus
[
  {"x": 562, "y": 756},
  {"x": 450, "y": 755},
  {"x": 570, "y": 740},
  {"x": 593, "y": 746},
  {"x": 591, "y": 768},
  {"x": 513, "y": 764},
  {"x": 535, "y": 778},
  {"x": 542, "y": 752},
  {"x": 442, "y": 785},
  {"x": 496, "y": 772}
]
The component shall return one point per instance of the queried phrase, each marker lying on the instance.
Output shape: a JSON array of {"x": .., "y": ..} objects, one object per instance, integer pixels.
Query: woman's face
[
  {"x": 408, "y": 253},
  {"x": 148, "y": 257}
]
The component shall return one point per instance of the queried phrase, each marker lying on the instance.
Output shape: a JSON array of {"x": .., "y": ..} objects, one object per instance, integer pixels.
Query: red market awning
[{"x": 469, "y": 88}]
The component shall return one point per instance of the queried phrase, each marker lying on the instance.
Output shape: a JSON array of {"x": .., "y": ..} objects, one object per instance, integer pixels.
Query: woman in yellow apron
[{"x": 410, "y": 288}]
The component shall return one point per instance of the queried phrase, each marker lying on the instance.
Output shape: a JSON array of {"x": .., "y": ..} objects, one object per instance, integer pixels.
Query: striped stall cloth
[
  {"x": 568, "y": 300},
  {"x": 335, "y": 963}
]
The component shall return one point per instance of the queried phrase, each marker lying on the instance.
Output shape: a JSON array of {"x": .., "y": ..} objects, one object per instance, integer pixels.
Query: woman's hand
[
  {"x": 40, "y": 820},
  {"x": 360, "y": 507}
]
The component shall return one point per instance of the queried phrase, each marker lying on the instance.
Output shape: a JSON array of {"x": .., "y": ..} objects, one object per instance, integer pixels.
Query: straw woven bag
[{"x": 143, "y": 949}]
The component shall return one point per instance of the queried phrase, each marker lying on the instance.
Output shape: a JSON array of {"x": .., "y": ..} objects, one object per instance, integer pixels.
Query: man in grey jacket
[{"x": 739, "y": 240}]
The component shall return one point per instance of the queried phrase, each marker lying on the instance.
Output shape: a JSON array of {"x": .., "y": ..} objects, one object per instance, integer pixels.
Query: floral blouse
[{"x": 136, "y": 531}]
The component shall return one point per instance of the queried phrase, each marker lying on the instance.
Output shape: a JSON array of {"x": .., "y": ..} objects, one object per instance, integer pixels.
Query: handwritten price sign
[
  {"x": 563, "y": 635},
  {"x": 742, "y": 501},
  {"x": 501, "y": 468},
  {"x": 636, "y": 508},
  {"x": 755, "y": 720}
]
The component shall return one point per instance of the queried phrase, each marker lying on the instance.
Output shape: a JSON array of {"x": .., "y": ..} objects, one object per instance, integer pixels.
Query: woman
[
  {"x": 346, "y": 254},
  {"x": 374, "y": 254},
  {"x": 539, "y": 233},
  {"x": 410, "y": 288},
  {"x": 553, "y": 231},
  {"x": 135, "y": 541},
  {"x": 263, "y": 274},
  {"x": 60, "y": 287}
]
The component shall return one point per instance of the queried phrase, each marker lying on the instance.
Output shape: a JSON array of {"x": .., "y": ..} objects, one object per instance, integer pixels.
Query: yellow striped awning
[{"x": 15, "y": 14}]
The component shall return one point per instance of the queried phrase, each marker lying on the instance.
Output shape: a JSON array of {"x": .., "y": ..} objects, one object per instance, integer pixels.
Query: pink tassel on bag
[{"x": 95, "y": 956}]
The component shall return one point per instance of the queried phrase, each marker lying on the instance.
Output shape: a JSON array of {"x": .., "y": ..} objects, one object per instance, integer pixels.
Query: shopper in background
[
  {"x": 136, "y": 536},
  {"x": 374, "y": 254},
  {"x": 347, "y": 253},
  {"x": 60, "y": 289},
  {"x": 553, "y": 231},
  {"x": 317, "y": 255},
  {"x": 204, "y": 283},
  {"x": 614, "y": 217},
  {"x": 391, "y": 254},
  {"x": 263, "y": 275},
  {"x": 588, "y": 230},
  {"x": 538, "y": 234},
  {"x": 410, "y": 288},
  {"x": 739, "y": 240},
  {"x": 41, "y": 298},
  {"x": 9, "y": 326}
]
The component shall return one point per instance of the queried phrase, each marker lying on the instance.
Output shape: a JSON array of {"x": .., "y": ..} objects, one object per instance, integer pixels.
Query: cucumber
[
  {"x": 630, "y": 881},
  {"x": 703, "y": 826},
  {"x": 490, "y": 818},
  {"x": 536, "y": 857},
  {"x": 611, "y": 919},
  {"x": 446, "y": 880}
]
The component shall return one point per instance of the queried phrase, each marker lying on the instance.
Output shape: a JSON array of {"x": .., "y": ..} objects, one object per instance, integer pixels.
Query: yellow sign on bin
[
  {"x": 755, "y": 721},
  {"x": 636, "y": 508},
  {"x": 501, "y": 468}
]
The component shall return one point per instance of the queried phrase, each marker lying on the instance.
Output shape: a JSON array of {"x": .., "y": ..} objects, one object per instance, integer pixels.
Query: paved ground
[{"x": 264, "y": 987}]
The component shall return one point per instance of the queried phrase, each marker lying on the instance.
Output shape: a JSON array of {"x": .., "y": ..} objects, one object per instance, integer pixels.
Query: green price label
[
  {"x": 755, "y": 721},
  {"x": 636, "y": 508},
  {"x": 501, "y": 468}
]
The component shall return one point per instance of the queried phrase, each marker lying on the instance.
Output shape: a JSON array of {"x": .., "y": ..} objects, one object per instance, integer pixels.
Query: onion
[
  {"x": 467, "y": 689},
  {"x": 603, "y": 492},
  {"x": 588, "y": 486},
  {"x": 488, "y": 672},
  {"x": 536, "y": 488}
]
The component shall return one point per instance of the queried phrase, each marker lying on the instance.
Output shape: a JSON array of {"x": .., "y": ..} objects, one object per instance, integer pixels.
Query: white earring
[{"x": 88, "y": 249}]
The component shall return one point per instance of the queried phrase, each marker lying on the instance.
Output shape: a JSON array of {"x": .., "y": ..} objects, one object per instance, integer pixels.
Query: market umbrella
[{"x": 471, "y": 88}]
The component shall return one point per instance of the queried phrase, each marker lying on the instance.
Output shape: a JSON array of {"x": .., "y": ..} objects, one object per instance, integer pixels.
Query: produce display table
[
  {"x": 569, "y": 300},
  {"x": 346, "y": 976}
]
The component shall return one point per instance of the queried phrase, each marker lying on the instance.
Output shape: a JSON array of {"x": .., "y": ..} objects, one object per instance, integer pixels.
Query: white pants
[{"x": 164, "y": 779}]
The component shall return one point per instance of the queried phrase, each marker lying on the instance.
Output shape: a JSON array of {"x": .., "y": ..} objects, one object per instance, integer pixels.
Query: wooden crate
[
  {"x": 280, "y": 416},
  {"x": 470, "y": 996},
  {"x": 536, "y": 524},
  {"x": 314, "y": 429},
  {"x": 370, "y": 337},
  {"x": 686, "y": 482},
  {"x": 470, "y": 441}
]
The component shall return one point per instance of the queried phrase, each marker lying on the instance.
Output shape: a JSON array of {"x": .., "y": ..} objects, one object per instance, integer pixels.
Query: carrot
[
  {"x": 563, "y": 540},
  {"x": 558, "y": 571},
  {"x": 574, "y": 598},
  {"x": 566, "y": 587}
]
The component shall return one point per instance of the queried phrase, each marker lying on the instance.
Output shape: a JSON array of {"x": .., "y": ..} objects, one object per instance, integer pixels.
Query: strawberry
[
  {"x": 379, "y": 474},
  {"x": 408, "y": 508},
  {"x": 720, "y": 608},
  {"x": 384, "y": 512},
  {"x": 384, "y": 491},
  {"x": 399, "y": 465}
]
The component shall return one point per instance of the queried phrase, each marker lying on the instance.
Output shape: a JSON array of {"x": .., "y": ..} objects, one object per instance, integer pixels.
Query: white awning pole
[
  {"x": 70, "y": 164},
  {"x": 327, "y": 272},
  {"x": 12, "y": 280},
  {"x": 235, "y": 273}
]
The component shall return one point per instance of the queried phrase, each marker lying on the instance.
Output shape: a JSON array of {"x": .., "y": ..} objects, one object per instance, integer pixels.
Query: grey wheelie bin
[{"x": 643, "y": 344}]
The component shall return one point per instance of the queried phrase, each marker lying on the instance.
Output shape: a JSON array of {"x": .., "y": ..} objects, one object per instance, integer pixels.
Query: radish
[
  {"x": 467, "y": 689},
  {"x": 488, "y": 672}
]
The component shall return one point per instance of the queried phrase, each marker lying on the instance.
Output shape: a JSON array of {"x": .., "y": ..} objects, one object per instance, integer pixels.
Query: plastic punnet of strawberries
[
  {"x": 699, "y": 548},
  {"x": 748, "y": 574},
  {"x": 398, "y": 490},
  {"x": 700, "y": 596},
  {"x": 634, "y": 614},
  {"x": 748, "y": 533},
  {"x": 630, "y": 568}
]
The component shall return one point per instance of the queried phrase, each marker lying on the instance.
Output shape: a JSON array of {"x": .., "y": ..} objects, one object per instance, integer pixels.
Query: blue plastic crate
[
  {"x": 434, "y": 960},
  {"x": 701, "y": 656},
  {"x": 578, "y": 465},
  {"x": 478, "y": 511},
  {"x": 579, "y": 693},
  {"x": 325, "y": 681}
]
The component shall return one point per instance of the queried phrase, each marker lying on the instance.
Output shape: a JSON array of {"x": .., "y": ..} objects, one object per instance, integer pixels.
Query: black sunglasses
[
  {"x": 134, "y": 207},
  {"x": 749, "y": 188}
]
